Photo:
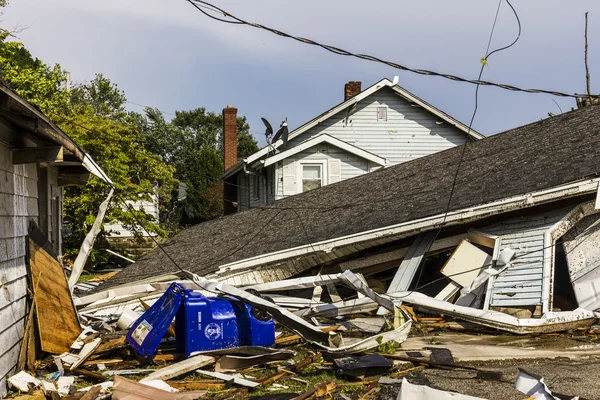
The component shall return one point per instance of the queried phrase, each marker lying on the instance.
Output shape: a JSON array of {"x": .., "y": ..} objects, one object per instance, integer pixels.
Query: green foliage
[
  {"x": 192, "y": 143},
  {"x": 94, "y": 116}
]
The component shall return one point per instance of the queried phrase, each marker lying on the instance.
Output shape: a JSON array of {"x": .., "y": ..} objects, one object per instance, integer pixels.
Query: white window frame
[{"x": 300, "y": 170}]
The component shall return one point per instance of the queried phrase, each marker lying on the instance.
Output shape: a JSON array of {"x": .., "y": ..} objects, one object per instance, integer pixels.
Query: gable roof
[
  {"x": 325, "y": 138},
  {"x": 348, "y": 103},
  {"x": 555, "y": 158}
]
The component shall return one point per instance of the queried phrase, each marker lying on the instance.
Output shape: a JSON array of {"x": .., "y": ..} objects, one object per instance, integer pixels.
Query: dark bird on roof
[{"x": 282, "y": 133}]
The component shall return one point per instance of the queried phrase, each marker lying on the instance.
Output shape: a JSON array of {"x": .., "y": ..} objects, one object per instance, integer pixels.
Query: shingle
[{"x": 540, "y": 155}]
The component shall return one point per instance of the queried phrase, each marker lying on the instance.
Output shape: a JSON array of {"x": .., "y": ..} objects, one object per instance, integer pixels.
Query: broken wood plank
[
  {"x": 272, "y": 378},
  {"x": 111, "y": 345},
  {"x": 92, "y": 393},
  {"x": 87, "y": 350},
  {"x": 365, "y": 392},
  {"x": 321, "y": 389},
  {"x": 90, "y": 374},
  {"x": 180, "y": 368},
  {"x": 291, "y": 338},
  {"x": 407, "y": 371},
  {"x": 197, "y": 385},
  {"x": 54, "y": 307},
  {"x": 125, "y": 389}
]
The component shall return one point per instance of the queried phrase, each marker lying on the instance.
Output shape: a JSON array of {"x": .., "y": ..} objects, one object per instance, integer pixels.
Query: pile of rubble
[{"x": 290, "y": 339}]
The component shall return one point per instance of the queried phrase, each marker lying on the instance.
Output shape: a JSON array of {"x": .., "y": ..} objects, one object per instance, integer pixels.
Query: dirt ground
[{"x": 575, "y": 378}]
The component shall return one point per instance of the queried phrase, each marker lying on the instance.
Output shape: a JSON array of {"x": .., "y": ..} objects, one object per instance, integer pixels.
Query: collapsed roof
[{"x": 552, "y": 159}]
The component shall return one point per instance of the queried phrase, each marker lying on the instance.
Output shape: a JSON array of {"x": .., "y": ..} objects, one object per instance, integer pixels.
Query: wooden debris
[
  {"x": 90, "y": 374},
  {"x": 407, "y": 371},
  {"x": 180, "y": 368},
  {"x": 365, "y": 392},
  {"x": 202, "y": 384},
  {"x": 54, "y": 309},
  {"x": 319, "y": 390},
  {"x": 111, "y": 345},
  {"x": 125, "y": 389},
  {"x": 272, "y": 378},
  {"x": 92, "y": 393},
  {"x": 36, "y": 395},
  {"x": 291, "y": 338}
]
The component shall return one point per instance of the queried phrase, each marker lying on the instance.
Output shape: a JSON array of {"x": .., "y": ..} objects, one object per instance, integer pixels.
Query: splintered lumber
[
  {"x": 180, "y": 368},
  {"x": 319, "y": 390},
  {"x": 90, "y": 374},
  {"x": 92, "y": 393},
  {"x": 305, "y": 362},
  {"x": 202, "y": 384},
  {"x": 365, "y": 392},
  {"x": 111, "y": 345},
  {"x": 407, "y": 371},
  {"x": 54, "y": 309},
  {"x": 272, "y": 378},
  {"x": 291, "y": 338}
]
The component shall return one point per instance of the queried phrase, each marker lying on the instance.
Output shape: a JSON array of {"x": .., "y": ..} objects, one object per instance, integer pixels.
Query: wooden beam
[
  {"x": 37, "y": 155},
  {"x": 71, "y": 177}
]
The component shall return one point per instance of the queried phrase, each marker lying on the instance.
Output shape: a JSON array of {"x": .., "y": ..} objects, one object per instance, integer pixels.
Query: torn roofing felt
[{"x": 541, "y": 155}]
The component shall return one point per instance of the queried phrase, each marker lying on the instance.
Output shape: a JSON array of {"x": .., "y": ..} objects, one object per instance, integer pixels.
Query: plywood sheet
[{"x": 56, "y": 316}]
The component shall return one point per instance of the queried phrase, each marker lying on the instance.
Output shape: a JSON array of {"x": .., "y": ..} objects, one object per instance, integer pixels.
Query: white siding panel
[
  {"x": 18, "y": 204},
  {"x": 409, "y": 132},
  {"x": 521, "y": 284}
]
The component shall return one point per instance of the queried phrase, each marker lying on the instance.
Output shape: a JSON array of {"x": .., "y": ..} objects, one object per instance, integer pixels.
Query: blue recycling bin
[
  {"x": 201, "y": 323},
  {"x": 212, "y": 323}
]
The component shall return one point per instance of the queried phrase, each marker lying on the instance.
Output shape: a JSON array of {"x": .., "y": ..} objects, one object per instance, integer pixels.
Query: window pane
[
  {"x": 310, "y": 184},
  {"x": 311, "y": 171}
]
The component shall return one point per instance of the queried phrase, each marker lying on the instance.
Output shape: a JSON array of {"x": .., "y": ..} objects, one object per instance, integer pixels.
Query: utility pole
[{"x": 587, "y": 68}]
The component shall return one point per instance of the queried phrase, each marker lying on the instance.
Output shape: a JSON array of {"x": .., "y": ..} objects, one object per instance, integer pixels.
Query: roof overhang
[
  {"x": 409, "y": 228},
  {"x": 324, "y": 138}
]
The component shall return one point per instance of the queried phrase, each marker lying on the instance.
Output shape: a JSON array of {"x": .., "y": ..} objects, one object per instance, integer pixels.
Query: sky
[{"x": 166, "y": 54}]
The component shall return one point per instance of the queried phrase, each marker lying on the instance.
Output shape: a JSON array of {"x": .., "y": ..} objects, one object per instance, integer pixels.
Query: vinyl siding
[
  {"x": 350, "y": 164},
  {"x": 522, "y": 284},
  {"x": 18, "y": 204},
  {"x": 409, "y": 132}
]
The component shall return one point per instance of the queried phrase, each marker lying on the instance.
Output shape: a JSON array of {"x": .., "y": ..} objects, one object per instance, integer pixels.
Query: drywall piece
[
  {"x": 54, "y": 308},
  {"x": 65, "y": 385},
  {"x": 179, "y": 368},
  {"x": 23, "y": 381},
  {"x": 408, "y": 391},
  {"x": 466, "y": 263},
  {"x": 125, "y": 389},
  {"x": 410, "y": 263},
  {"x": 229, "y": 378}
]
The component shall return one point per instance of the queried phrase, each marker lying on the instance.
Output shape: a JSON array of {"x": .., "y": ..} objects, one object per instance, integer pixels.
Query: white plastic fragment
[
  {"x": 65, "y": 385},
  {"x": 23, "y": 381},
  {"x": 408, "y": 391},
  {"x": 534, "y": 387},
  {"x": 226, "y": 377},
  {"x": 128, "y": 318},
  {"x": 78, "y": 343},
  {"x": 48, "y": 387}
]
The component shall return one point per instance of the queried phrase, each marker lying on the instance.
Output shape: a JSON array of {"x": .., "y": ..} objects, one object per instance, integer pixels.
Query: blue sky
[{"x": 168, "y": 55}]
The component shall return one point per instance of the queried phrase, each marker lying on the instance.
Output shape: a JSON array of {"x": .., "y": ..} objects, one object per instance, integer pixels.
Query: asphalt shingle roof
[{"x": 544, "y": 154}]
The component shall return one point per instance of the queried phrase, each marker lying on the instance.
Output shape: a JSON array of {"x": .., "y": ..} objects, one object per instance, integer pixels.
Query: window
[
  {"x": 312, "y": 177},
  {"x": 381, "y": 113}
]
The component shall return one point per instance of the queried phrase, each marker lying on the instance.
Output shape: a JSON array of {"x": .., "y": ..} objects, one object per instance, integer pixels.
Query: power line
[{"x": 342, "y": 52}]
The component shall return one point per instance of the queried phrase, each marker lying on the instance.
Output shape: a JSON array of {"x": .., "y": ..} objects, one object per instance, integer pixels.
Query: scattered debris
[{"x": 419, "y": 392}]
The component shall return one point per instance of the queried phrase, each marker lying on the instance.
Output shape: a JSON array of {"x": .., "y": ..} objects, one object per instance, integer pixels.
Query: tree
[
  {"x": 94, "y": 116},
  {"x": 193, "y": 143}
]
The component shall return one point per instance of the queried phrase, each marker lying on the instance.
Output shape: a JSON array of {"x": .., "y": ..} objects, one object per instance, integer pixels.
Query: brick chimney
[
  {"x": 229, "y": 159},
  {"x": 229, "y": 137},
  {"x": 351, "y": 89}
]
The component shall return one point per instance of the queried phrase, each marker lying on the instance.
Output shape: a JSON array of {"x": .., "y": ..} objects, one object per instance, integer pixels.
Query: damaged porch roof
[{"x": 544, "y": 161}]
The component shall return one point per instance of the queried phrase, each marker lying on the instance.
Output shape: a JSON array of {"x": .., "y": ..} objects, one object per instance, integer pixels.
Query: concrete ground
[
  {"x": 575, "y": 378},
  {"x": 570, "y": 364}
]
